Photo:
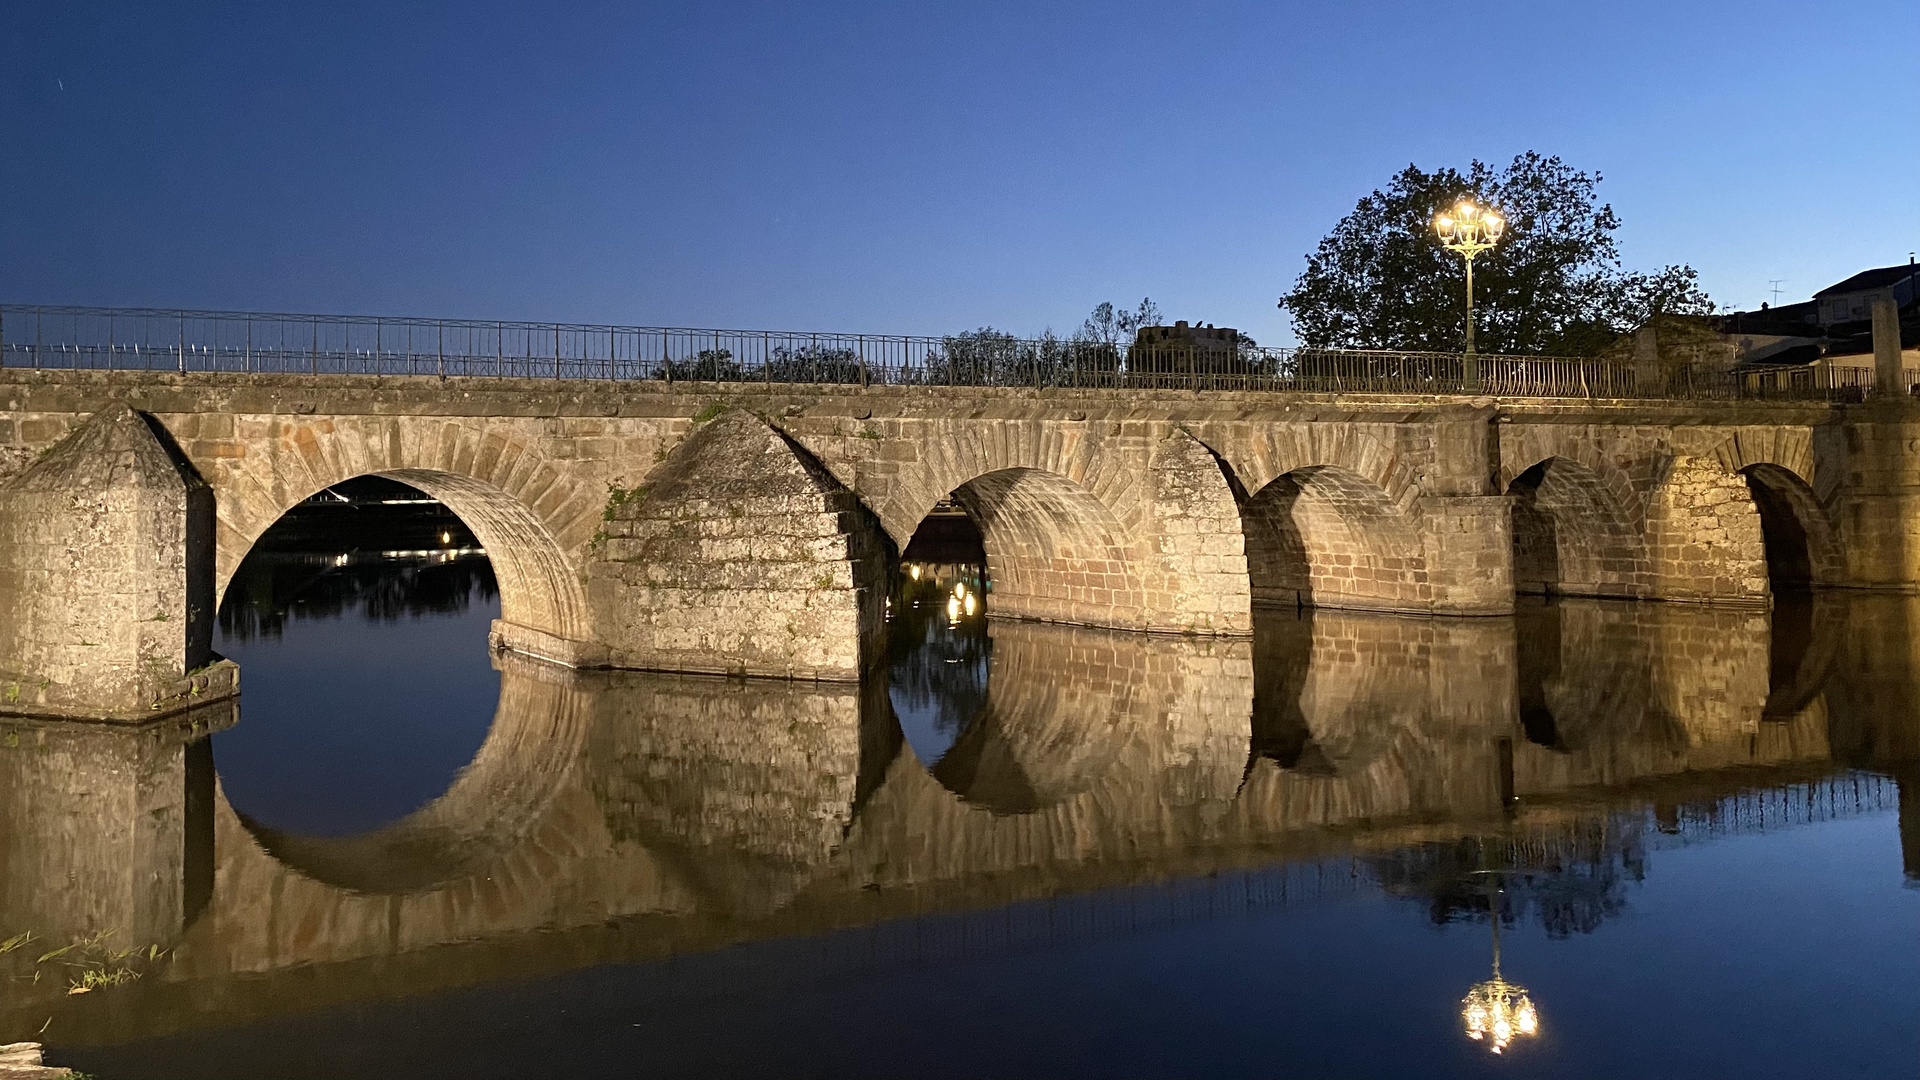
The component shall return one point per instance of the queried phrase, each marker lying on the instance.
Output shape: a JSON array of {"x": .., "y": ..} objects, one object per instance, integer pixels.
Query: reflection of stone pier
[
  {"x": 626, "y": 816},
  {"x": 107, "y": 829}
]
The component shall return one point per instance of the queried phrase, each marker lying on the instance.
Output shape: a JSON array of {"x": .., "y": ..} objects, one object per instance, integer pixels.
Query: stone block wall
[
  {"x": 1104, "y": 507},
  {"x": 1469, "y": 544},
  {"x": 1877, "y": 508},
  {"x": 739, "y": 555},
  {"x": 106, "y": 578},
  {"x": 1704, "y": 541},
  {"x": 1198, "y": 579}
]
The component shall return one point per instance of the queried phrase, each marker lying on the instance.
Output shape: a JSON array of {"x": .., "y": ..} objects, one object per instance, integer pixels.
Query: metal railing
[{"x": 218, "y": 341}]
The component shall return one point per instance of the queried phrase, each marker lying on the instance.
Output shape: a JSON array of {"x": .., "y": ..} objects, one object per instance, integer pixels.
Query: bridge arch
[
  {"x": 1055, "y": 552},
  {"x": 1326, "y": 536},
  {"x": 1801, "y": 544},
  {"x": 518, "y": 505},
  {"x": 1571, "y": 532},
  {"x": 1084, "y": 528},
  {"x": 1258, "y": 458}
]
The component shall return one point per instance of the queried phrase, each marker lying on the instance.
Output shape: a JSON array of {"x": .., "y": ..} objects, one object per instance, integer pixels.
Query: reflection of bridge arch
[
  {"x": 1056, "y": 720},
  {"x": 1153, "y": 763},
  {"x": 520, "y": 507},
  {"x": 1358, "y": 718},
  {"x": 538, "y": 731}
]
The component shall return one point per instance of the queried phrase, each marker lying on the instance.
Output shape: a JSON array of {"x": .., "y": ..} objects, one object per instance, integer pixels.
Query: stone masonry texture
[
  {"x": 106, "y": 577},
  {"x": 742, "y": 528}
]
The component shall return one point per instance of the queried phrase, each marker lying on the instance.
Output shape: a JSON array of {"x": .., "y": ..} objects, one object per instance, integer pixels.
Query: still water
[{"x": 1017, "y": 850}]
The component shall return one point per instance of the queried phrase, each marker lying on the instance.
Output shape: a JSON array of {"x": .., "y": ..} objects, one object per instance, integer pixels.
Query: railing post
[
  {"x": 249, "y": 345},
  {"x": 440, "y": 348},
  {"x": 313, "y": 354},
  {"x": 863, "y": 360},
  {"x": 182, "y": 355}
]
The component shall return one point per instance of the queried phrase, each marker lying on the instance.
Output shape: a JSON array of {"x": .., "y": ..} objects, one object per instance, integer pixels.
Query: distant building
[
  {"x": 1852, "y": 300},
  {"x": 1205, "y": 336},
  {"x": 1834, "y": 329},
  {"x": 1181, "y": 348}
]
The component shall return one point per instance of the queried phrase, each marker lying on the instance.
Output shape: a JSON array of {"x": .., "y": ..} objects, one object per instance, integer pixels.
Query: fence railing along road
[{"x": 178, "y": 340}]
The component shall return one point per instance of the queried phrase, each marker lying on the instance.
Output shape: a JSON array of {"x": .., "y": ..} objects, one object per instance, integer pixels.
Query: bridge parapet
[{"x": 152, "y": 339}]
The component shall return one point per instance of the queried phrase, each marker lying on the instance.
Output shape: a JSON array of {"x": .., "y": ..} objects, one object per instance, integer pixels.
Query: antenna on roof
[{"x": 1774, "y": 284}]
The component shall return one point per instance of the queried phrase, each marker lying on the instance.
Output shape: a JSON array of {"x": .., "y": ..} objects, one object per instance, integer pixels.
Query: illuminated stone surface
[{"x": 742, "y": 528}]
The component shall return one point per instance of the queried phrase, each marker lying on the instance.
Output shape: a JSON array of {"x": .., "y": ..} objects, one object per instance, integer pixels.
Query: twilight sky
[{"x": 906, "y": 168}]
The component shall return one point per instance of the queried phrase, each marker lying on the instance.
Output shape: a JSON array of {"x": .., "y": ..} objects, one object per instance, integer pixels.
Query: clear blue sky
[{"x": 892, "y": 167}]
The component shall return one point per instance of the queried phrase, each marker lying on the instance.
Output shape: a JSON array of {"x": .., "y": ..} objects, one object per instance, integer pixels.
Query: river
[{"x": 1594, "y": 839}]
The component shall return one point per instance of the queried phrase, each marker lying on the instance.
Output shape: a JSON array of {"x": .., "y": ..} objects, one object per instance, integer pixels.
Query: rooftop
[{"x": 1878, "y": 278}]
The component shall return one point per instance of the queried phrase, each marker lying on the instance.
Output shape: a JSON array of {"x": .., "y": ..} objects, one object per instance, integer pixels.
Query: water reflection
[
  {"x": 936, "y": 657},
  {"x": 1497, "y": 1011},
  {"x": 273, "y": 587},
  {"x": 619, "y": 816}
]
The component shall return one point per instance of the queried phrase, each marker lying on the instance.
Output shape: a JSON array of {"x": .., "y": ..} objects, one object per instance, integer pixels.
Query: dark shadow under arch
[{"x": 1802, "y": 546}]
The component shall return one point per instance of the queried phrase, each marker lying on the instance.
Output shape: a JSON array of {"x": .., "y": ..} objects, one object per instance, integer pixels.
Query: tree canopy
[
  {"x": 1113, "y": 326},
  {"x": 1553, "y": 285}
]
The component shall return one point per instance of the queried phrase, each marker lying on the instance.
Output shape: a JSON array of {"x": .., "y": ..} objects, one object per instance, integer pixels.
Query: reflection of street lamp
[
  {"x": 1469, "y": 229},
  {"x": 1496, "y": 1010}
]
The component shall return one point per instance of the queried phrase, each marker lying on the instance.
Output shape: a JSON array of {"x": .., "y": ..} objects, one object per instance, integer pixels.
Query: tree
[
  {"x": 707, "y": 365},
  {"x": 1553, "y": 285},
  {"x": 813, "y": 364},
  {"x": 1111, "y": 326}
]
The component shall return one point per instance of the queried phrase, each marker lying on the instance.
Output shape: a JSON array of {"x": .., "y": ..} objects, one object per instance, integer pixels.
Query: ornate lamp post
[
  {"x": 1496, "y": 1011},
  {"x": 1469, "y": 229}
]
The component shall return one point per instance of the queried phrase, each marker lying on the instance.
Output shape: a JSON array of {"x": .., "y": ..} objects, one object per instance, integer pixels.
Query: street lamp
[
  {"x": 1496, "y": 1011},
  {"x": 1469, "y": 229}
]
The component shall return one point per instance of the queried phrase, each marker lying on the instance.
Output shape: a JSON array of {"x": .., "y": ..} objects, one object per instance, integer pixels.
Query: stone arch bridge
[{"x": 750, "y": 529}]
